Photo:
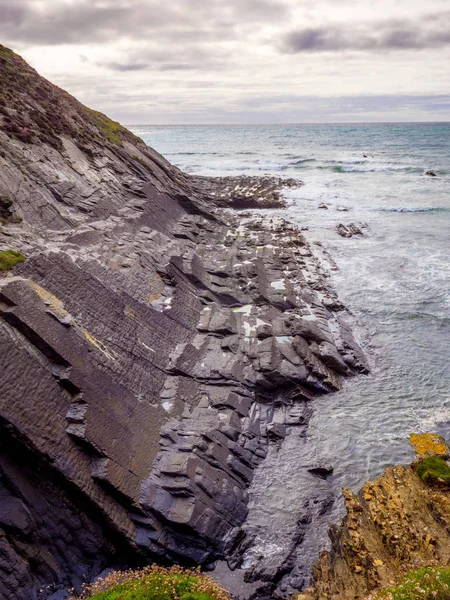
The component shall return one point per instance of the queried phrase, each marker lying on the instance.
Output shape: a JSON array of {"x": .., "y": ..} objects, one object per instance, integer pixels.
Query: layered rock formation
[
  {"x": 394, "y": 525},
  {"x": 154, "y": 343}
]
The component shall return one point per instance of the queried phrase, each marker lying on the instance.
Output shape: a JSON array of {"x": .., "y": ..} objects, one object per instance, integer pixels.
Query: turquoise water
[{"x": 395, "y": 280}]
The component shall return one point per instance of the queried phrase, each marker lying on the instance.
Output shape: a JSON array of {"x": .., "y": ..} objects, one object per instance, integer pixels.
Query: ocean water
[{"x": 395, "y": 279}]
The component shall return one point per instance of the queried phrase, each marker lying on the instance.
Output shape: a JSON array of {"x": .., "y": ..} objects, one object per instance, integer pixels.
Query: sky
[{"x": 241, "y": 61}]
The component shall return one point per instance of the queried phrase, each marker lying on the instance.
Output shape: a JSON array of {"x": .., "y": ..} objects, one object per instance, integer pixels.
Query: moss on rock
[
  {"x": 110, "y": 129},
  {"x": 9, "y": 259},
  {"x": 433, "y": 470}
]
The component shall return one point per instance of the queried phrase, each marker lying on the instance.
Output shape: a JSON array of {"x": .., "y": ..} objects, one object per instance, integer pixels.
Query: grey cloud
[
  {"x": 432, "y": 31},
  {"x": 158, "y": 66},
  {"x": 354, "y": 104},
  {"x": 153, "y": 58},
  {"x": 55, "y": 23},
  {"x": 124, "y": 67},
  {"x": 214, "y": 60},
  {"x": 100, "y": 21},
  {"x": 177, "y": 67},
  {"x": 304, "y": 109},
  {"x": 12, "y": 14}
]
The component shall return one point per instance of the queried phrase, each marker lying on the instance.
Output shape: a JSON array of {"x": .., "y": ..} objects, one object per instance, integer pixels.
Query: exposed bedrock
[
  {"x": 394, "y": 524},
  {"x": 155, "y": 345}
]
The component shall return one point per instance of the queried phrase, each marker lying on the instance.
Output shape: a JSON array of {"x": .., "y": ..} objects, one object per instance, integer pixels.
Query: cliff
[
  {"x": 395, "y": 524},
  {"x": 153, "y": 344}
]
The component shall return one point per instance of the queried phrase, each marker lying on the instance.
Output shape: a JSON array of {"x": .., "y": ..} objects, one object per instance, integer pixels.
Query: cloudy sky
[{"x": 241, "y": 61}]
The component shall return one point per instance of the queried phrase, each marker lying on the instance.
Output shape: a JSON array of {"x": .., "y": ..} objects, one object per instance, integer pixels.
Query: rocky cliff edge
[
  {"x": 153, "y": 344},
  {"x": 395, "y": 524}
]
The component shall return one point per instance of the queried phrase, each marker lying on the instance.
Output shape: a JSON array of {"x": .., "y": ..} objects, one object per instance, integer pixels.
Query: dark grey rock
[
  {"x": 322, "y": 471},
  {"x": 154, "y": 348},
  {"x": 350, "y": 230}
]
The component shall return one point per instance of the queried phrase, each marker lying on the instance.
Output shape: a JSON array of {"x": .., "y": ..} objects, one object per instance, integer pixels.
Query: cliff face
[
  {"x": 152, "y": 345},
  {"x": 394, "y": 525}
]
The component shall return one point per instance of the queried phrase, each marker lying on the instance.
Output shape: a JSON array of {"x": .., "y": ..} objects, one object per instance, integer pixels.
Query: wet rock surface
[
  {"x": 247, "y": 191},
  {"x": 156, "y": 346},
  {"x": 351, "y": 229}
]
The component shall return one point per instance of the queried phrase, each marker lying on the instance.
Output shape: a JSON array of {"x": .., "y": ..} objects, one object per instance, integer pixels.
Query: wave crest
[{"x": 412, "y": 209}]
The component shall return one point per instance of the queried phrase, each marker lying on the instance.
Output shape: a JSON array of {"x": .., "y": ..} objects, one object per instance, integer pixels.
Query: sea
[{"x": 394, "y": 279}]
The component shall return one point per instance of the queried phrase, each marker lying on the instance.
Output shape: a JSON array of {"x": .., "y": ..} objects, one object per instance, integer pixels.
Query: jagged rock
[
  {"x": 322, "y": 471},
  {"x": 395, "y": 524},
  {"x": 145, "y": 348},
  {"x": 350, "y": 230}
]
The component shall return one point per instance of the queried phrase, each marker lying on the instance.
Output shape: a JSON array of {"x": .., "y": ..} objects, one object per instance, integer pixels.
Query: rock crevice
[
  {"x": 154, "y": 344},
  {"x": 394, "y": 525}
]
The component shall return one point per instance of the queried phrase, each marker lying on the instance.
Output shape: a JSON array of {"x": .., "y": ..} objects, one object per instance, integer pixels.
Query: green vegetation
[
  {"x": 35, "y": 111},
  {"x": 433, "y": 470},
  {"x": 139, "y": 159},
  {"x": 108, "y": 127},
  {"x": 11, "y": 61},
  {"x": 425, "y": 584},
  {"x": 11, "y": 220},
  {"x": 155, "y": 583},
  {"x": 13, "y": 73},
  {"x": 6, "y": 53},
  {"x": 9, "y": 259}
]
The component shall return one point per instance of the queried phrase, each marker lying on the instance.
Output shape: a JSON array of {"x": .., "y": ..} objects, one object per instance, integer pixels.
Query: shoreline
[
  {"x": 155, "y": 347},
  {"x": 242, "y": 332}
]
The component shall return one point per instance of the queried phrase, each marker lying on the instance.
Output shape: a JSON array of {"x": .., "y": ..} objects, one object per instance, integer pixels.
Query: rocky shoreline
[
  {"x": 394, "y": 525},
  {"x": 156, "y": 345}
]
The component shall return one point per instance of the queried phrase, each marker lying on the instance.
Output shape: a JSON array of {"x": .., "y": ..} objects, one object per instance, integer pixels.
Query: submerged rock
[{"x": 322, "y": 471}]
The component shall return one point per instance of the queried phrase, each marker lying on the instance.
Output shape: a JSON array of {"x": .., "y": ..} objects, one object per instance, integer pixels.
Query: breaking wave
[
  {"x": 411, "y": 209},
  {"x": 363, "y": 167}
]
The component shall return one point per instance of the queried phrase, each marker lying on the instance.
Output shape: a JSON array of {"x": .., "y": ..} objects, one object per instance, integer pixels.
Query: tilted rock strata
[
  {"x": 145, "y": 344},
  {"x": 395, "y": 524}
]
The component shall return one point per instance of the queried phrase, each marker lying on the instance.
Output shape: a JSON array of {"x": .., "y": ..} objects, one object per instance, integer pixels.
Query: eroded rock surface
[
  {"x": 154, "y": 344},
  {"x": 350, "y": 230},
  {"x": 394, "y": 525}
]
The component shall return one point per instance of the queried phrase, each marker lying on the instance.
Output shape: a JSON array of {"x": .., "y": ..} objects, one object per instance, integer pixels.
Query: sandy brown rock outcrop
[{"x": 394, "y": 525}]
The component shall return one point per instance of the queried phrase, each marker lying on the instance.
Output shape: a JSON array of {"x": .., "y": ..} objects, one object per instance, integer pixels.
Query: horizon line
[{"x": 287, "y": 124}]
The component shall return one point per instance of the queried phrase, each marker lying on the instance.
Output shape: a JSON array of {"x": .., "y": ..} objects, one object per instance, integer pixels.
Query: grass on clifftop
[
  {"x": 33, "y": 110},
  {"x": 433, "y": 470},
  {"x": 155, "y": 583},
  {"x": 107, "y": 126},
  {"x": 425, "y": 584},
  {"x": 9, "y": 259}
]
